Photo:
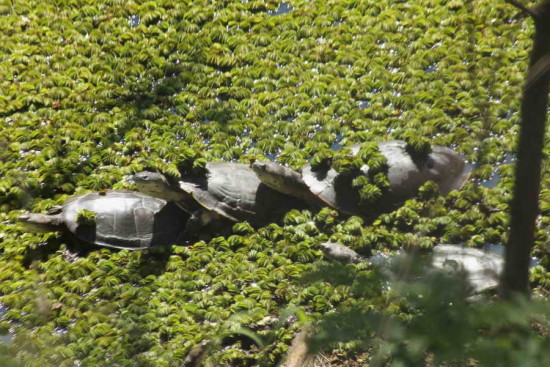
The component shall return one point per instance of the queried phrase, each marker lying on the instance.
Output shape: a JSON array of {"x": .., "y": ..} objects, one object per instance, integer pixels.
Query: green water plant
[
  {"x": 92, "y": 91},
  {"x": 85, "y": 217}
]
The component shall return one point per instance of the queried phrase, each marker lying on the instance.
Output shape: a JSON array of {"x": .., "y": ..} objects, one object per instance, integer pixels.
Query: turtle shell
[
  {"x": 235, "y": 192},
  {"x": 125, "y": 219},
  {"x": 481, "y": 269},
  {"x": 405, "y": 174}
]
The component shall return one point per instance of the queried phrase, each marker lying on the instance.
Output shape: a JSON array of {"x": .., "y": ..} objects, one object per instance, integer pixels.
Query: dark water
[
  {"x": 431, "y": 69},
  {"x": 336, "y": 145},
  {"x": 134, "y": 21},
  {"x": 364, "y": 104}
]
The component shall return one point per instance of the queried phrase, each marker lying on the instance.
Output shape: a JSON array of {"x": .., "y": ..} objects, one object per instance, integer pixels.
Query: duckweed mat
[{"x": 95, "y": 90}]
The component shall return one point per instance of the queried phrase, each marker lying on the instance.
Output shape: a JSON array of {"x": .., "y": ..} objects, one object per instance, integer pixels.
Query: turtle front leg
[{"x": 207, "y": 222}]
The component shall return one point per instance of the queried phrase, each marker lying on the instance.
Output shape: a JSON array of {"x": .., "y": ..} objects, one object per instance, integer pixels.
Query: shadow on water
[{"x": 153, "y": 260}]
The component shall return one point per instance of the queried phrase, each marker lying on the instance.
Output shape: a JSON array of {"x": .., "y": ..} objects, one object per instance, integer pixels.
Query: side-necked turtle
[
  {"x": 340, "y": 253},
  {"x": 227, "y": 191},
  {"x": 481, "y": 269},
  {"x": 405, "y": 175},
  {"x": 122, "y": 219}
]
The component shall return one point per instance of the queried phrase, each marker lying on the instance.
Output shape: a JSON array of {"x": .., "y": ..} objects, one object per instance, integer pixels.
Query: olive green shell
[
  {"x": 443, "y": 166},
  {"x": 125, "y": 219},
  {"x": 233, "y": 191}
]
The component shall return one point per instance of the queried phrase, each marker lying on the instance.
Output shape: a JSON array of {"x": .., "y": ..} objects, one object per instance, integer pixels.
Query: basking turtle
[
  {"x": 227, "y": 191},
  {"x": 121, "y": 219},
  {"x": 481, "y": 269},
  {"x": 405, "y": 175},
  {"x": 340, "y": 253}
]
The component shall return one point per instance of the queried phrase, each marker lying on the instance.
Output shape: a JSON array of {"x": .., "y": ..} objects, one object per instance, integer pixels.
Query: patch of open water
[
  {"x": 5, "y": 338},
  {"x": 498, "y": 248},
  {"x": 283, "y": 8},
  {"x": 493, "y": 181},
  {"x": 134, "y": 21}
]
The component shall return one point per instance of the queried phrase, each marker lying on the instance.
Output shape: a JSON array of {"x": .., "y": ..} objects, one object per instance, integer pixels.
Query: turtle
[
  {"x": 122, "y": 219},
  {"x": 340, "y": 253},
  {"x": 405, "y": 174},
  {"x": 227, "y": 192},
  {"x": 482, "y": 269}
]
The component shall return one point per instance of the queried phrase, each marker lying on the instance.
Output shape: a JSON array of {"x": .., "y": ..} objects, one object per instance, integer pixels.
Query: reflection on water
[
  {"x": 5, "y": 338},
  {"x": 134, "y": 21},
  {"x": 493, "y": 181},
  {"x": 271, "y": 156},
  {"x": 336, "y": 145},
  {"x": 431, "y": 69},
  {"x": 498, "y": 248},
  {"x": 363, "y": 104},
  {"x": 282, "y": 9}
]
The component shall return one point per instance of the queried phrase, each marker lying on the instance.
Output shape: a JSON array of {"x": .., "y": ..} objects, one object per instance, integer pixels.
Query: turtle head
[
  {"x": 36, "y": 222},
  {"x": 278, "y": 177},
  {"x": 326, "y": 247},
  {"x": 271, "y": 174},
  {"x": 153, "y": 184},
  {"x": 283, "y": 180}
]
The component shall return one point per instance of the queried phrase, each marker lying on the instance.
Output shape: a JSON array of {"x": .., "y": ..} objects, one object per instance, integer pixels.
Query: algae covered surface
[{"x": 92, "y": 91}]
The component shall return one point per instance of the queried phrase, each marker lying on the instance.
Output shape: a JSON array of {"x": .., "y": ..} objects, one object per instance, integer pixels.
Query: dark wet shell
[
  {"x": 234, "y": 191},
  {"x": 125, "y": 219},
  {"x": 443, "y": 166}
]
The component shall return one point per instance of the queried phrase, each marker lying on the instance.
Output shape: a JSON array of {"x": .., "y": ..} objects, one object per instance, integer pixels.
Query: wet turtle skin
[
  {"x": 124, "y": 220},
  {"x": 233, "y": 191}
]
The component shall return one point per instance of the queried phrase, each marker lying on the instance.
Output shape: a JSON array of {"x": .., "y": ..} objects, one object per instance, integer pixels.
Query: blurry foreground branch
[{"x": 525, "y": 202}]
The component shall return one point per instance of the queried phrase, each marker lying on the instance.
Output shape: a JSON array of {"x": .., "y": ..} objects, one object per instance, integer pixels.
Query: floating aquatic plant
[
  {"x": 95, "y": 91},
  {"x": 85, "y": 217}
]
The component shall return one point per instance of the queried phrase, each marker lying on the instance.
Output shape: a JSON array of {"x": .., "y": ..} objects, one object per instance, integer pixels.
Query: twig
[
  {"x": 12, "y": 3},
  {"x": 298, "y": 353},
  {"x": 523, "y": 8}
]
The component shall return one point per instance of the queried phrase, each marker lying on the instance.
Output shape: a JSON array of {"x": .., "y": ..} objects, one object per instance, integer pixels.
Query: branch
[
  {"x": 298, "y": 353},
  {"x": 537, "y": 71},
  {"x": 523, "y": 8}
]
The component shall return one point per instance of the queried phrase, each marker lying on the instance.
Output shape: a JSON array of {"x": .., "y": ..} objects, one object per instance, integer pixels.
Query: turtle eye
[
  {"x": 430, "y": 163},
  {"x": 143, "y": 176}
]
